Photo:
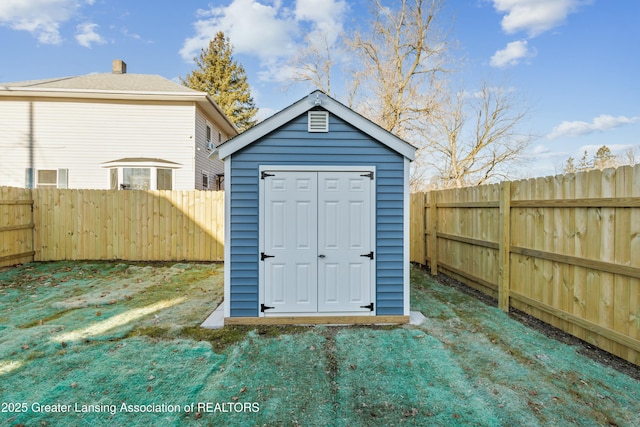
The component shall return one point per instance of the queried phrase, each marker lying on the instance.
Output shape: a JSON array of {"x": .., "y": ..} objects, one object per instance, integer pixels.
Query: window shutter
[
  {"x": 28, "y": 178},
  {"x": 63, "y": 178},
  {"x": 318, "y": 121}
]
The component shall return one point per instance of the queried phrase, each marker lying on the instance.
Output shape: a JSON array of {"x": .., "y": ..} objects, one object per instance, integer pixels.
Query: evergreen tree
[
  {"x": 219, "y": 75},
  {"x": 604, "y": 158},
  {"x": 601, "y": 160}
]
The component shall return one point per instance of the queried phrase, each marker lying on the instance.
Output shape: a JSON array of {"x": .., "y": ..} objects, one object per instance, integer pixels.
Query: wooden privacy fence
[
  {"x": 16, "y": 226},
  {"x": 112, "y": 224},
  {"x": 565, "y": 249}
]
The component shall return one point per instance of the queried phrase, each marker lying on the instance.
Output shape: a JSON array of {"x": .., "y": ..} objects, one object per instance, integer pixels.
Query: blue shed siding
[{"x": 291, "y": 144}]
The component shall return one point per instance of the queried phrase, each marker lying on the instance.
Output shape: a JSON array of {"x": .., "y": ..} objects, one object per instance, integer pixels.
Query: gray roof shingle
[{"x": 107, "y": 81}]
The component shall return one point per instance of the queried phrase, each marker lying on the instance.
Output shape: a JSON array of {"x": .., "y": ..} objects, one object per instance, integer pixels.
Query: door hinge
[
  {"x": 369, "y": 255},
  {"x": 368, "y": 174},
  {"x": 370, "y": 306},
  {"x": 263, "y": 175},
  {"x": 264, "y": 307},
  {"x": 264, "y": 256}
]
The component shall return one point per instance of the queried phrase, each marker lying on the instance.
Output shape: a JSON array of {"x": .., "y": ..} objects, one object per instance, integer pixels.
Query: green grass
[{"x": 77, "y": 334}]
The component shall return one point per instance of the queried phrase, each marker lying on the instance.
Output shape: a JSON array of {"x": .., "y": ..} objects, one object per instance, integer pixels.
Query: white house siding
[
  {"x": 202, "y": 161},
  {"x": 80, "y": 136}
]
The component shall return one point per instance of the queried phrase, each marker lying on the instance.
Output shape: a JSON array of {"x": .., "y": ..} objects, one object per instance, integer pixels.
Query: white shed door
[{"x": 317, "y": 238}]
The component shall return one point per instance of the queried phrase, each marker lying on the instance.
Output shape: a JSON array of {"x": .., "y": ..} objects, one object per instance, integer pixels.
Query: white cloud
[
  {"x": 86, "y": 34},
  {"x": 540, "y": 149},
  {"x": 252, "y": 27},
  {"x": 542, "y": 152},
  {"x": 42, "y": 18},
  {"x": 598, "y": 124},
  {"x": 326, "y": 16},
  {"x": 534, "y": 16},
  {"x": 512, "y": 54},
  {"x": 268, "y": 30}
]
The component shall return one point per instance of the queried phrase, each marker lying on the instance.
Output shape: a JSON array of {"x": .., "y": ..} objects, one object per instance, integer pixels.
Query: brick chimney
[{"x": 118, "y": 66}]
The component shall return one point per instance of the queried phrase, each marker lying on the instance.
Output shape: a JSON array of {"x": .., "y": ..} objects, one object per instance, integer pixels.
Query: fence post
[
  {"x": 34, "y": 224},
  {"x": 425, "y": 229},
  {"x": 433, "y": 231},
  {"x": 504, "y": 274}
]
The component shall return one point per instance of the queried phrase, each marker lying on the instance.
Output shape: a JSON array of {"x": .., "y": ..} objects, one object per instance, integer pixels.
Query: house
[
  {"x": 316, "y": 221},
  {"x": 110, "y": 131}
]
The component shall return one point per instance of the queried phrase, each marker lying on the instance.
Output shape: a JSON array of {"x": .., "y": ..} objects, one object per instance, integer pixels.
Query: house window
[
  {"x": 140, "y": 173},
  {"x": 141, "y": 178},
  {"x": 164, "y": 179},
  {"x": 47, "y": 178},
  {"x": 207, "y": 142},
  {"x": 205, "y": 181},
  {"x": 136, "y": 178}
]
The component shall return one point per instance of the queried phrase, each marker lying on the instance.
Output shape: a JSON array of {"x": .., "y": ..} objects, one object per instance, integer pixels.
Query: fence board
[
  {"x": 16, "y": 226},
  {"x": 573, "y": 249},
  {"x": 113, "y": 224}
]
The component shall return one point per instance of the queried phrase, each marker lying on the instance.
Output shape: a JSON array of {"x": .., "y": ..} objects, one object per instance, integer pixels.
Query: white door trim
[{"x": 261, "y": 225}]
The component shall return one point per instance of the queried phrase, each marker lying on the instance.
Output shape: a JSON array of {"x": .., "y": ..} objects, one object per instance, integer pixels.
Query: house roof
[
  {"x": 107, "y": 82},
  {"x": 145, "y": 87},
  {"x": 313, "y": 100},
  {"x": 146, "y": 161}
]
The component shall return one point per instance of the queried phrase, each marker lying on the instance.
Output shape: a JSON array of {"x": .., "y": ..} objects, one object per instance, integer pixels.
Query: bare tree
[
  {"x": 395, "y": 76},
  {"x": 475, "y": 138},
  {"x": 314, "y": 62},
  {"x": 632, "y": 156},
  {"x": 400, "y": 59}
]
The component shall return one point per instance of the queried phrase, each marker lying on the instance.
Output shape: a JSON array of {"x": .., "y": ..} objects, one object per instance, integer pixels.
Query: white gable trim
[
  {"x": 406, "y": 242},
  {"x": 315, "y": 99},
  {"x": 227, "y": 244}
]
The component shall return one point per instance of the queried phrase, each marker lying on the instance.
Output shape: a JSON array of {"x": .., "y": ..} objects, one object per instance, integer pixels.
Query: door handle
[{"x": 322, "y": 256}]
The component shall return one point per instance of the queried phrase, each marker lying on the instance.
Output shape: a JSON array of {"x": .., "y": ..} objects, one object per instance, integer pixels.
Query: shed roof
[{"x": 317, "y": 99}]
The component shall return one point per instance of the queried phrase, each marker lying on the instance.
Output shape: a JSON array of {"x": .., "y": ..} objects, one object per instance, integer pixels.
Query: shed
[{"x": 316, "y": 219}]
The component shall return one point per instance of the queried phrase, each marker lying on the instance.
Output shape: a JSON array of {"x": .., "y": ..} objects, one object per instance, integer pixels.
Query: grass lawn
[{"x": 89, "y": 343}]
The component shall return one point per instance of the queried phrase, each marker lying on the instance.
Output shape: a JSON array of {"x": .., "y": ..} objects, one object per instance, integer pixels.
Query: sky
[{"x": 573, "y": 63}]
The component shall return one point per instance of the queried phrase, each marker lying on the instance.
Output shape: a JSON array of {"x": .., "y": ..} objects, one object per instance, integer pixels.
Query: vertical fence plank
[
  {"x": 416, "y": 227},
  {"x": 559, "y": 245},
  {"x": 622, "y": 256},
  {"x": 516, "y": 266},
  {"x": 504, "y": 277},
  {"x": 220, "y": 226},
  {"x": 569, "y": 217},
  {"x": 37, "y": 225},
  {"x": 634, "y": 289},
  {"x": 607, "y": 253},
  {"x": 580, "y": 273},
  {"x": 17, "y": 226},
  {"x": 594, "y": 277},
  {"x": 537, "y": 237},
  {"x": 160, "y": 225},
  {"x": 545, "y": 192},
  {"x": 192, "y": 224},
  {"x": 433, "y": 230}
]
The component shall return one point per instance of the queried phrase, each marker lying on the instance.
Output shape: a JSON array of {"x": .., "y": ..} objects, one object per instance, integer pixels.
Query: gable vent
[{"x": 318, "y": 121}]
